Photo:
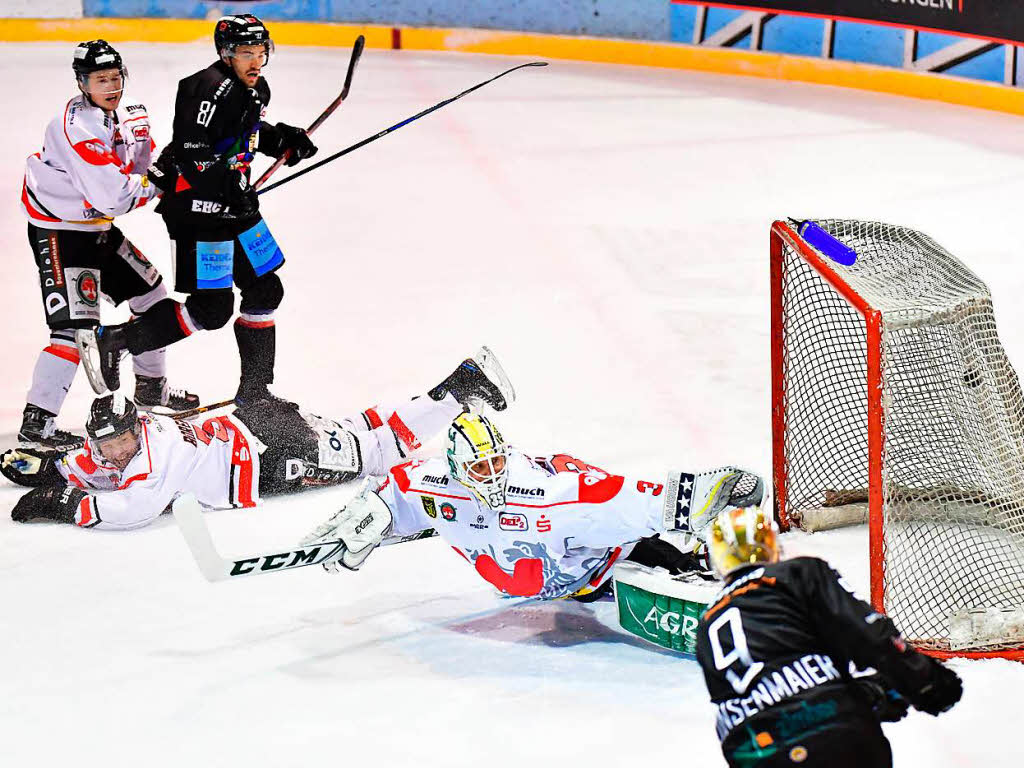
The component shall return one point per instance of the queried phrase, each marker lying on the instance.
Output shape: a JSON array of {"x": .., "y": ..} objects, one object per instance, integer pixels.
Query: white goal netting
[{"x": 953, "y": 424}]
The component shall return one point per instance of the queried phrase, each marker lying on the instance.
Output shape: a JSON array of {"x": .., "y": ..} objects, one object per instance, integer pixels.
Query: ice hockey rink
[{"x": 605, "y": 230}]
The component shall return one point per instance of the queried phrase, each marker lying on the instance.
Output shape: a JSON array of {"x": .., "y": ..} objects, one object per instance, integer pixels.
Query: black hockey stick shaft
[
  {"x": 357, "y": 51},
  {"x": 396, "y": 126}
]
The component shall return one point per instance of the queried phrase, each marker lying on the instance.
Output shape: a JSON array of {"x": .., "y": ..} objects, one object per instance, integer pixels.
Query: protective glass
[
  {"x": 119, "y": 449},
  {"x": 251, "y": 52},
  {"x": 105, "y": 82}
]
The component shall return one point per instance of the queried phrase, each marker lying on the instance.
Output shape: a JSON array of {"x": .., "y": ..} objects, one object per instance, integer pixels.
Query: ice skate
[{"x": 478, "y": 380}]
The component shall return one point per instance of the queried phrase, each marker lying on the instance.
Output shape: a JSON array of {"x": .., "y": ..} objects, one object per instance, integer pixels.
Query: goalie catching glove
[
  {"x": 360, "y": 525},
  {"x": 693, "y": 501},
  {"x": 32, "y": 467}
]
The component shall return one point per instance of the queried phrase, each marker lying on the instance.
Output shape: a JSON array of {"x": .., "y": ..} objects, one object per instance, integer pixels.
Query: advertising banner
[{"x": 999, "y": 20}]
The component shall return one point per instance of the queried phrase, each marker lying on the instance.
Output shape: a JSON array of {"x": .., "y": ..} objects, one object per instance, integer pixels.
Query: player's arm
[
  {"x": 133, "y": 507},
  {"x": 856, "y": 631},
  {"x": 611, "y": 509},
  {"x": 99, "y": 175}
]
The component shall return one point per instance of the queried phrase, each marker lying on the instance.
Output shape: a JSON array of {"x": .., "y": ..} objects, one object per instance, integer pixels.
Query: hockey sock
[
  {"x": 404, "y": 430},
  {"x": 153, "y": 362},
  {"x": 164, "y": 323},
  {"x": 256, "y": 335},
  {"x": 55, "y": 369}
]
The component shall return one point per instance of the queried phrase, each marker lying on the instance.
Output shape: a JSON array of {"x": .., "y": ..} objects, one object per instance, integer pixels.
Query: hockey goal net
[{"x": 892, "y": 396}]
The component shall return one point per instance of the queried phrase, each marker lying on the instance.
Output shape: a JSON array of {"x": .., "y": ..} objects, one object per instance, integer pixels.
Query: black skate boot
[
  {"x": 251, "y": 394},
  {"x": 152, "y": 394},
  {"x": 112, "y": 343},
  {"x": 480, "y": 379},
  {"x": 38, "y": 428}
]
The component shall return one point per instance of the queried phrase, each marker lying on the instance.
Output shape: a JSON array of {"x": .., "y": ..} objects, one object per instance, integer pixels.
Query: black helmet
[
  {"x": 110, "y": 416},
  {"x": 94, "y": 56},
  {"x": 233, "y": 31}
]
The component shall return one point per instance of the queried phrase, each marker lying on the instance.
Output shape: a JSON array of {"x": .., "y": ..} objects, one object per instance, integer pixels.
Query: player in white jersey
[
  {"x": 548, "y": 527},
  {"x": 132, "y": 467},
  {"x": 92, "y": 168}
]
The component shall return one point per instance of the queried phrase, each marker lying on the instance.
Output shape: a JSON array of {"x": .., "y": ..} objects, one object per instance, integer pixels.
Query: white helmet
[{"x": 478, "y": 458}]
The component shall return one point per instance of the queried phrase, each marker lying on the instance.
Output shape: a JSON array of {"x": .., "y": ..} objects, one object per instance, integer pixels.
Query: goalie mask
[
  {"x": 478, "y": 458},
  {"x": 742, "y": 536},
  {"x": 113, "y": 428}
]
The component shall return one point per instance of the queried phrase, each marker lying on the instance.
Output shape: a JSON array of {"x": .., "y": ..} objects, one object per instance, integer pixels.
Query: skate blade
[
  {"x": 489, "y": 364},
  {"x": 89, "y": 353}
]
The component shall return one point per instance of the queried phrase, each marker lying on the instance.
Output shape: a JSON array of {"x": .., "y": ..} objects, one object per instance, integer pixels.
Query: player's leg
[
  {"x": 69, "y": 280},
  {"x": 201, "y": 271},
  {"x": 257, "y": 259},
  {"x": 129, "y": 276}
]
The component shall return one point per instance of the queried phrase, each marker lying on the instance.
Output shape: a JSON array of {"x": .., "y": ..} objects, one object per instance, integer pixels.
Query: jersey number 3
[{"x": 746, "y": 669}]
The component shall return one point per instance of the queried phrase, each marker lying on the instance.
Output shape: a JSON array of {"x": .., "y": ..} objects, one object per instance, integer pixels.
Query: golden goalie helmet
[
  {"x": 478, "y": 458},
  {"x": 742, "y": 536}
]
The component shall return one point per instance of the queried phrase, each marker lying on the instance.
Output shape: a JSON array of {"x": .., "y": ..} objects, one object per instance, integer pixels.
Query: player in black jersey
[
  {"x": 782, "y": 648},
  {"x": 219, "y": 238}
]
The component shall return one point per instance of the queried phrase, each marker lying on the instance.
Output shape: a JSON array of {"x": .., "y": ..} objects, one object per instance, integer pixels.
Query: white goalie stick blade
[
  {"x": 89, "y": 352},
  {"x": 214, "y": 567},
  {"x": 489, "y": 364}
]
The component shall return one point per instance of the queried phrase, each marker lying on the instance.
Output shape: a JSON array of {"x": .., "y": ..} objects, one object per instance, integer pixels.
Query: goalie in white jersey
[
  {"x": 92, "y": 167},
  {"x": 536, "y": 526},
  {"x": 133, "y": 467}
]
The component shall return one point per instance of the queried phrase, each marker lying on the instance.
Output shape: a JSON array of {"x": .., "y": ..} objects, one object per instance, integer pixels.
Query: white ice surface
[{"x": 605, "y": 230}]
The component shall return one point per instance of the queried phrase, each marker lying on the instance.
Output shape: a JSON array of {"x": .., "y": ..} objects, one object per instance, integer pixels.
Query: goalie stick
[
  {"x": 357, "y": 51},
  {"x": 215, "y": 567}
]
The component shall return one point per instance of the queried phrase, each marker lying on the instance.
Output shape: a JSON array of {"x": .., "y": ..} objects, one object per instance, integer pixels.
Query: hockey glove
[
  {"x": 885, "y": 702},
  {"x": 943, "y": 689},
  {"x": 240, "y": 194},
  {"x": 360, "y": 525},
  {"x": 32, "y": 467},
  {"x": 693, "y": 501},
  {"x": 53, "y": 503},
  {"x": 163, "y": 174},
  {"x": 296, "y": 140}
]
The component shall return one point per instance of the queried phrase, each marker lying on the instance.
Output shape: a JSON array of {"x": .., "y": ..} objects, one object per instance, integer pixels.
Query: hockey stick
[
  {"x": 395, "y": 127},
  {"x": 357, "y": 51},
  {"x": 191, "y": 412},
  {"x": 215, "y": 567}
]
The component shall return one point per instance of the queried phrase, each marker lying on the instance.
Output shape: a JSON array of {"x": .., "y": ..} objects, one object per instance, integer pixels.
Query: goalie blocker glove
[
  {"x": 53, "y": 503},
  {"x": 360, "y": 525}
]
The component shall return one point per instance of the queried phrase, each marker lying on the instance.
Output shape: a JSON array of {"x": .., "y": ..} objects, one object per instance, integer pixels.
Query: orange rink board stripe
[{"x": 729, "y": 61}]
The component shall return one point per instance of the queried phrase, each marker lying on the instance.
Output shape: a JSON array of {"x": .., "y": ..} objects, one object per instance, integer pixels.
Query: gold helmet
[
  {"x": 478, "y": 458},
  {"x": 742, "y": 536}
]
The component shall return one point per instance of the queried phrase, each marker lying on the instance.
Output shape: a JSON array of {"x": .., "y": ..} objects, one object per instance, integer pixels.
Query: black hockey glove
[
  {"x": 53, "y": 503},
  {"x": 943, "y": 689},
  {"x": 240, "y": 195},
  {"x": 654, "y": 552},
  {"x": 32, "y": 467},
  {"x": 885, "y": 702},
  {"x": 163, "y": 174},
  {"x": 297, "y": 141}
]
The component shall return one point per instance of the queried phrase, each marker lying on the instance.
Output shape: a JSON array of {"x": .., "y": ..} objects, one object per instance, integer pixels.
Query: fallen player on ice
[
  {"x": 133, "y": 467},
  {"x": 545, "y": 527}
]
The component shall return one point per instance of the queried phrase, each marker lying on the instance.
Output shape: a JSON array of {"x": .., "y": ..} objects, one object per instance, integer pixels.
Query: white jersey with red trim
[
  {"x": 92, "y": 167},
  {"x": 218, "y": 462},
  {"x": 564, "y": 525}
]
